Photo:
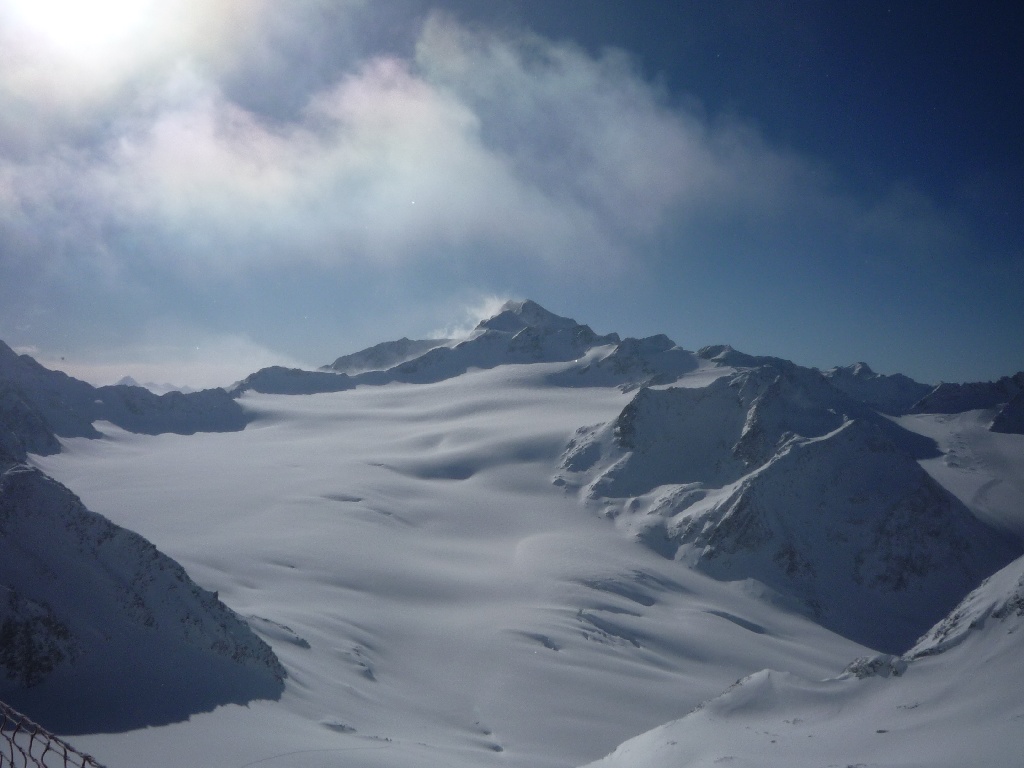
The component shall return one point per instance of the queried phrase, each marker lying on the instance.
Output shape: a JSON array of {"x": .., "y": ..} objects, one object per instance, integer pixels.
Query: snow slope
[
  {"x": 982, "y": 468},
  {"x": 99, "y": 631},
  {"x": 387, "y": 354},
  {"x": 953, "y": 700},
  {"x": 434, "y": 599},
  {"x": 420, "y": 549},
  {"x": 772, "y": 474}
]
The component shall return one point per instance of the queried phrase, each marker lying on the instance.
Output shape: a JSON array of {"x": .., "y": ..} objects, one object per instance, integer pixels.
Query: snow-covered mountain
[
  {"x": 61, "y": 405},
  {"x": 772, "y": 474},
  {"x": 893, "y": 394},
  {"x": 387, "y": 354},
  {"x": 98, "y": 629},
  {"x": 155, "y": 387},
  {"x": 101, "y": 631},
  {"x": 538, "y": 542},
  {"x": 952, "y": 700},
  {"x": 957, "y": 398},
  {"x": 521, "y": 333}
]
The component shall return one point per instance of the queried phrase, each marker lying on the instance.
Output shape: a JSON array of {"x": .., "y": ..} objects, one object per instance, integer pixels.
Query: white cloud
[{"x": 486, "y": 148}]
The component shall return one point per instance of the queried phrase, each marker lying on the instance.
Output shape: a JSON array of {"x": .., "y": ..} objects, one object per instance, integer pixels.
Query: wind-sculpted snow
[
  {"x": 893, "y": 395},
  {"x": 99, "y": 631},
  {"x": 774, "y": 475},
  {"x": 435, "y": 601},
  {"x": 438, "y": 602}
]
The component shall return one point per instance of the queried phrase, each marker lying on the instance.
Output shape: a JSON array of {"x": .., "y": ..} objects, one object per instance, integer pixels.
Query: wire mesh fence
[{"x": 25, "y": 744}]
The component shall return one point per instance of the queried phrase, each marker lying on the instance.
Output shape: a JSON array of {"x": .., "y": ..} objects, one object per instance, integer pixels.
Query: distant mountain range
[{"x": 525, "y": 332}]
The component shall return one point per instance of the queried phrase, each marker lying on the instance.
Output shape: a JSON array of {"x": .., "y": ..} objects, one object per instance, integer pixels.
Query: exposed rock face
[
  {"x": 716, "y": 434},
  {"x": 100, "y": 630}
]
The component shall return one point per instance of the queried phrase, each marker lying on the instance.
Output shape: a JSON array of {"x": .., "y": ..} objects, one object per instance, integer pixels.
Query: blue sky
[{"x": 191, "y": 190}]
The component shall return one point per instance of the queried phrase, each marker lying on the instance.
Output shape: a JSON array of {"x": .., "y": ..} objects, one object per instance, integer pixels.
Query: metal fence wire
[{"x": 25, "y": 744}]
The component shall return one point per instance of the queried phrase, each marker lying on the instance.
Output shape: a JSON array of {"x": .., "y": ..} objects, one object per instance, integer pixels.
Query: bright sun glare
[{"x": 83, "y": 26}]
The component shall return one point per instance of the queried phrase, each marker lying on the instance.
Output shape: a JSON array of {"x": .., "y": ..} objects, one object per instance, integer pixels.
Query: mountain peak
[
  {"x": 514, "y": 316},
  {"x": 861, "y": 369}
]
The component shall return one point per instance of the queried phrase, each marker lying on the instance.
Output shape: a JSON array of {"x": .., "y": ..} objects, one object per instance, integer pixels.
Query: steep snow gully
[{"x": 524, "y": 547}]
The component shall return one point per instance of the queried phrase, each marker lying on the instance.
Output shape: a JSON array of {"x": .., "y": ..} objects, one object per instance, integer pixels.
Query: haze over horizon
[{"x": 190, "y": 191}]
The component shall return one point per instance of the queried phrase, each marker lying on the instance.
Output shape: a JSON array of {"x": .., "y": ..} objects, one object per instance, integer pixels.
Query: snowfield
[
  {"x": 538, "y": 548},
  {"x": 433, "y": 597}
]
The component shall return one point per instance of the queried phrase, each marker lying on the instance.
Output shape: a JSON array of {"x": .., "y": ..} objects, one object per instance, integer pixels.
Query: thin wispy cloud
[{"x": 469, "y": 315}]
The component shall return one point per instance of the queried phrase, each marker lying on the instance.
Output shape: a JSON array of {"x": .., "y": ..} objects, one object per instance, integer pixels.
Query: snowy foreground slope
[
  {"x": 527, "y": 547},
  {"x": 952, "y": 700}
]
